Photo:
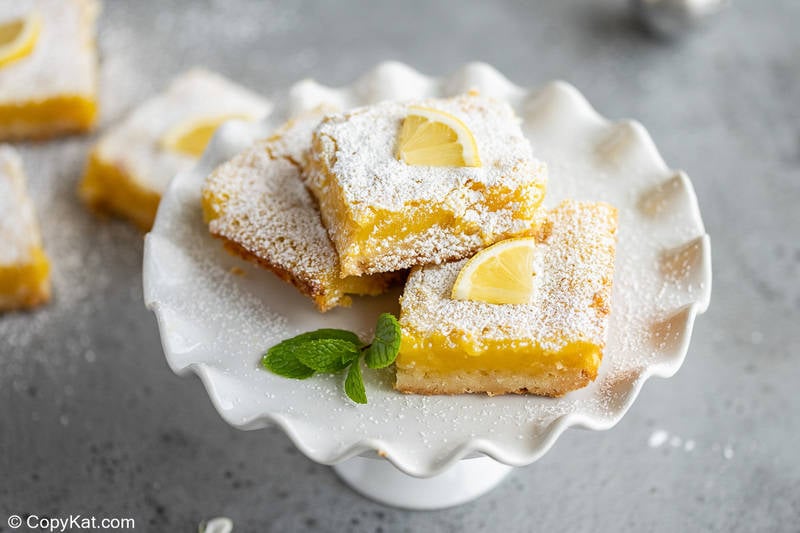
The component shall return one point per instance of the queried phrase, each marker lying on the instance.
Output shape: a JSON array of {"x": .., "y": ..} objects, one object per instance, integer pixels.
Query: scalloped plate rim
[{"x": 549, "y": 435}]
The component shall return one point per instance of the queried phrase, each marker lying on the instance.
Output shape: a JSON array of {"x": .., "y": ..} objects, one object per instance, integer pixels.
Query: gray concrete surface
[{"x": 93, "y": 422}]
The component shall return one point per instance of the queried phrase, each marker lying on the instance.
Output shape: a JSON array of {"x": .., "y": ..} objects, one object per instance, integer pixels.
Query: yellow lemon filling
[
  {"x": 52, "y": 116},
  {"x": 458, "y": 353}
]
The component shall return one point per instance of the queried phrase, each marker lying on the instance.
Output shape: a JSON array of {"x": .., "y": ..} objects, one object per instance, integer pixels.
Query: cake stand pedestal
[{"x": 379, "y": 480}]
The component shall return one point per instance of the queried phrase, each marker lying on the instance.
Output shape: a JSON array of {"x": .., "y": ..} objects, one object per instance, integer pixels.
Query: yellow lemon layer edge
[
  {"x": 51, "y": 117},
  {"x": 438, "y": 364},
  {"x": 108, "y": 188},
  {"x": 368, "y": 243},
  {"x": 25, "y": 285}
]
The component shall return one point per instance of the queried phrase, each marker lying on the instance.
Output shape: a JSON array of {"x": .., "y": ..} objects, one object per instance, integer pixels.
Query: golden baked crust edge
[{"x": 494, "y": 383}]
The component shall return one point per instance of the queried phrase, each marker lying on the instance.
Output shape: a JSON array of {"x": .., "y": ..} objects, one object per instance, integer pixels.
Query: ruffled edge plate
[{"x": 216, "y": 314}]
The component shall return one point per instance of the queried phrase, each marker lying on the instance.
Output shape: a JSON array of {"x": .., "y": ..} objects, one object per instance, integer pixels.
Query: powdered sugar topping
[
  {"x": 371, "y": 176},
  {"x": 574, "y": 263},
  {"x": 63, "y": 60},
  {"x": 268, "y": 210}
]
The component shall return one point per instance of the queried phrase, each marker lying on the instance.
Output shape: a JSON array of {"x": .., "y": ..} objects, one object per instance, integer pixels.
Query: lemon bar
[
  {"x": 549, "y": 346},
  {"x": 131, "y": 165},
  {"x": 24, "y": 269},
  {"x": 384, "y": 214},
  {"x": 257, "y": 203},
  {"x": 48, "y": 68}
]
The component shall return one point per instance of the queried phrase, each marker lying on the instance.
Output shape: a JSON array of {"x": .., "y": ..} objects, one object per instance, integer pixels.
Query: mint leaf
[
  {"x": 326, "y": 333},
  {"x": 383, "y": 350},
  {"x": 283, "y": 358},
  {"x": 284, "y": 362},
  {"x": 326, "y": 355},
  {"x": 354, "y": 383}
]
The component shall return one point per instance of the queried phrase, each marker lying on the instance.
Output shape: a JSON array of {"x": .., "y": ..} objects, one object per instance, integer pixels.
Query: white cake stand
[{"x": 217, "y": 314}]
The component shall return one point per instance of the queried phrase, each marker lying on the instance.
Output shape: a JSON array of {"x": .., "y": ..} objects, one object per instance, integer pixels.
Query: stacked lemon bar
[
  {"x": 24, "y": 268},
  {"x": 48, "y": 68},
  {"x": 258, "y": 205},
  {"x": 523, "y": 316},
  {"x": 394, "y": 197},
  {"x": 503, "y": 295},
  {"x": 133, "y": 162}
]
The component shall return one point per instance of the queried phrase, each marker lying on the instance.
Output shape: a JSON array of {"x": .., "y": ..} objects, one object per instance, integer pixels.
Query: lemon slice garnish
[
  {"x": 431, "y": 137},
  {"x": 18, "y": 37},
  {"x": 191, "y": 137},
  {"x": 501, "y": 274}
]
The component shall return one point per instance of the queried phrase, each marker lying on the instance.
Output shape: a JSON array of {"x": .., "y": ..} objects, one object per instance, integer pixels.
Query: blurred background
[{"x": 93, "y": 422}]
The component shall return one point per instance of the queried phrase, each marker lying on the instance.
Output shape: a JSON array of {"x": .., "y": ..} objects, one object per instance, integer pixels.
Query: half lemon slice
[
  {"x": 430, "y": 137},
  {"x": 501, "y": 274},
  {"x": 18, "y": 37},
  {"x": 191, "y": 137}
]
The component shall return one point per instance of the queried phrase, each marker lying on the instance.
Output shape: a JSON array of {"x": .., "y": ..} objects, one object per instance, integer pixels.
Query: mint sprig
[{"x": 333, "y": 350}]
